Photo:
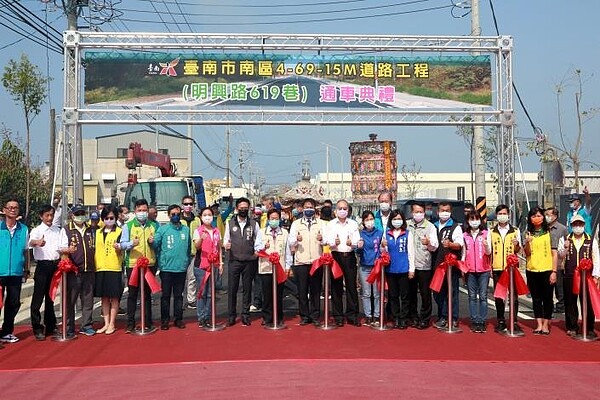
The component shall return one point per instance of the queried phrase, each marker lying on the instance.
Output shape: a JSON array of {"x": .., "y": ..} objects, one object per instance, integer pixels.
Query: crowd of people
[{"x": 109, "y": 251}]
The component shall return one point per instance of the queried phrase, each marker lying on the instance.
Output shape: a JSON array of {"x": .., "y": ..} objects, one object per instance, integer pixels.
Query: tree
[
  {"x": 410, "y": 175},
  {"x": 13, "y": 172},
  {"x": 27, "y": 86}
]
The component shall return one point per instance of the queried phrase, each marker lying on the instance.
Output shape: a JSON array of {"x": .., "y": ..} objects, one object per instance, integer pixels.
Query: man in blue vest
[{"x": 577, "y": 209}]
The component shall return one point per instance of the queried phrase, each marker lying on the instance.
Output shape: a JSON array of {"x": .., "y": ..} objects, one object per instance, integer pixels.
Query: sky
[{"x": 552, "y": 39}]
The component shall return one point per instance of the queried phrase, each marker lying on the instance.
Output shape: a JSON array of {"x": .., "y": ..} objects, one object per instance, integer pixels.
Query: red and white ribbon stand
[
  {"x": 450, "y": 328},
  {"x": 276, "y": 325},
  {"x": 214, "y": 326},
  {"x": 63, "y": 309},
  {"x": 584, "y": 309},
  {"x": 510, "y": 331},
  {"x": 381, "y": 326},
  {"x": 326, "y": 283}
]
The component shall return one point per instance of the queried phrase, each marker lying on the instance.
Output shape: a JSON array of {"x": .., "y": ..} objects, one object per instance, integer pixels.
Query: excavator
[{"x": 160, "y": 191}]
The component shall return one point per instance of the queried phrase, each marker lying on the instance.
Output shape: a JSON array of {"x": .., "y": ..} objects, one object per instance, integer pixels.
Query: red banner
[
  {"x": 327, "y": 259},
  {"x": 64, "y": 265},
  {"x": 274, "y": 259},
  {"x": 594, "y": 294},
  {"x": 144, "y": 263},
  {"x": 380, "y": 263},
  {"x": 213, "y": 259},
  {"x": 440, "y": 273},
  {"x": 502, "y": 287}
]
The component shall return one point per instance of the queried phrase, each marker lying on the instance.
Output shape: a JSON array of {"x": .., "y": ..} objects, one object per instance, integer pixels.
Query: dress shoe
[
  {"x": 246, "y": 321},
  {"x": 355, "y": 322},
  {"x": 339, "y": 323},
  {"x": 180, "y": 324},
  {"x": 164, "y": 326},
  {"x": 304, "y": 321},
  {"x": 402, "y": 325},
  {"x": 500, "y": 327},
  {"x": 39, "y": 336},
  {"x": 231, "y": 321},
  {"x": 423, "y": 325}
]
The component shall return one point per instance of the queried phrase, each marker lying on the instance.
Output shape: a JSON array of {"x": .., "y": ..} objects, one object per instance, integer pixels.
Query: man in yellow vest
[
  {"x": 504, "y": 240},
  {"x": 137, "y": 239}
]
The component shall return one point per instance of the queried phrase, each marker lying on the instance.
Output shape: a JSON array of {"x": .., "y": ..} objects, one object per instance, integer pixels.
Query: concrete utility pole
[
  {"x": 478, "y": 140},
  {"x": 228, "y": 156}
]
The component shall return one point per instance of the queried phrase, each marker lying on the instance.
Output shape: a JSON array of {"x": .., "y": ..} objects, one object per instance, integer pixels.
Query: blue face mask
[
  {"x": 428, "y": 213},
  {"x": 295, "y": 213},
  {"x": 309, "y": 213},
  {"x": 274, "y": 223},
  {"x": 175, "y": 218}
]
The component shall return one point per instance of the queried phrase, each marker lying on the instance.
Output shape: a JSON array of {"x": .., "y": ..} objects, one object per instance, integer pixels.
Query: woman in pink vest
[{"x": 477, "y": 258}]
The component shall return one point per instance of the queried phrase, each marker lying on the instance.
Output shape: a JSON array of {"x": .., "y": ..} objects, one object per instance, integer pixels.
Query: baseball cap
[
  {"x": 574, "y": 196},
  {"x": 77, "y": 208},
  {"x": 94, "y": 216},
  {"x": 577, "y": 218}
]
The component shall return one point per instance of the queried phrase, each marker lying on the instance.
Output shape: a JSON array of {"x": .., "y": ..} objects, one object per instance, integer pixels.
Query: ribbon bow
[
  {"x": 274, "y": 259},
  {"x": 501, "y": 291},
  {"x": 440, "y": 272},
  {"x": 64, "y": 265},
  {"x": 380, "y": 263},
  {"x": 585, "y": 264},
  {"x": 327, "y": 259},
  {"x": 144, "y": 263}
]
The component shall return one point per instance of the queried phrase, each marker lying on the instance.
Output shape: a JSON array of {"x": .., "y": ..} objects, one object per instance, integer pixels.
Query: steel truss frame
[{"x": 500, "y": 116}]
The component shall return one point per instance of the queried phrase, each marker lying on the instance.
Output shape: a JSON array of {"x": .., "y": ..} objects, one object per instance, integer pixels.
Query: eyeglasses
[
  {"x": 109, "y": 218},
  {"x": 12, "y": 208},
  {"x": 188, "y": 204}
]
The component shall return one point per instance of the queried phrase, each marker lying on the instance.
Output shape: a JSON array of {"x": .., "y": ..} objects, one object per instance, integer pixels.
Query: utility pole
[
  {"x": 228, "y": 156},
  {"x": 478, "y": 140}
]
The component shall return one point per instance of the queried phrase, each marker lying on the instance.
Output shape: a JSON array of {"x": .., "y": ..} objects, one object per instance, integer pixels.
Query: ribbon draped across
[
  {"x": 594, "y": 294},
  {"x": 213, "y": 259},
  {"x": 512, "y": 264},
  {"x": 327, "y": 259},
  {"x": 438, "y": 277},
  {"x": 380, "y": 263},
  {"x": 274, "y": 259},
  {"x": 143, "y": 263},
  {"x": 64, "y": 265}
]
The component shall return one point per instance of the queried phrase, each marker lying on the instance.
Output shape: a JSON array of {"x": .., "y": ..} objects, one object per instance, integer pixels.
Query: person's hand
[
  {"x": 290, "y": 273},
  {"x": 361, "y": 243},
  {"x": 228, "y": 245},
  {"x": 383, "y": 242},
  {"x": 553, "y": 278},
  {"x": 586, "y": 191},
  {"x": 425, "y": 240},
  {"x": 337, "y": 240},
  {"x": 411, "y": 275},
  {"x": 348, "y": 241},
  {"x": 528, "y": 237},
  {"x": 267, "y": 245},
  {"x": 515, "y": 241},
  {"x": 117, "y": 246},
  {"x": 567, "y": 244},
  {"x": 71, "y": 249},
  {"x": 445, "y": 243},
  {"x": 151, "y": 239},
  {"x": 221, "y": 269},
  {"x": 319, "y": 236},
  {"x": 136, "y": 242},
  {"x": 41, "y": 242},
  {"x": 230, "y": 199},
  {"x": 298, "y": 237},
  {"x": 26, "y": 275}
]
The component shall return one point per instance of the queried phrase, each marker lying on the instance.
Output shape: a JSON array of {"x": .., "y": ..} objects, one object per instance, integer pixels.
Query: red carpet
[{"x": 357, "y": 358}]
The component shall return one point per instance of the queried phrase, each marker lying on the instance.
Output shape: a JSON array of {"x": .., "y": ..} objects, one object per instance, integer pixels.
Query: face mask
[
  {"x": 502, "y": 218},
  {"x": 418, "y": 217},
  {"x": 385, "y": 207},
  {"x": 397, "y": 223},
  {"x": 175, "y": 218},
  {"x": 79, "y": 219},
  {"x": 295, "y": 213},
  {"x": 578, "y": 230},
  {"x": 309, "y": 213},
  {"x": 573, "y": 206},
  {"x": 428, "y": 213},
  {"x": 549, "y": 219},
  {"x": 264, "y": 209},
  {"x": 537, "y": 220},
  {"x": 342, "y": 213},
  {"x": 109, "y": 222},
  {"x": 444, "y": 216},
  {"x": 187, "y": 208},
  {"x": 369, "y": 224},
  {"x": 207, "y": 219},
  {"x": 141, "y": 216},
  {"x": 274, "y": 223},
  {"x": 243, "y": 213},
  {"x": 474, "y": 224}
]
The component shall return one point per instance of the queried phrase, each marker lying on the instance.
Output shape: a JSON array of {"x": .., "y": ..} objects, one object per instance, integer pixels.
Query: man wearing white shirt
[
  {"x": 342, "y": 236},
  {"x": 45, "y": 240}
]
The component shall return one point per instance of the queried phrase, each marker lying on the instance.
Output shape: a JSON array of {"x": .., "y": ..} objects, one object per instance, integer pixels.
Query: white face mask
[
  {"x": 342, "y": 213},
  {"x": 502, "y": 218},
  {"x": 141, "y": 216},
  {"x": 207, "y": 219},
  {"x": 397, "y": 223},
  {"x": 549, "y": 219},
  {"x": 578, "y": 230},
  {"x": 418, "y": 217},
  {"x": 369, "y": 224},
  {"x": 474, "y": 224},
  {"x": 444, "y": 215},
  {"x": 188, "y": 208},
  {"x": 384, "y": 207}
]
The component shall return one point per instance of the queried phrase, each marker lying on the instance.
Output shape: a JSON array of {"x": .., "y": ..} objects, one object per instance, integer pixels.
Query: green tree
[
  {"x": 27, "y": 86},
  {"x": 13, "y": 172}
]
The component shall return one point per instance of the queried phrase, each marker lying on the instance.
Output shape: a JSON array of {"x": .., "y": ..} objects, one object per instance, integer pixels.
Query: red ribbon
[
  {"x": 438, "y": 277},
  {"x": 585, "y": 264},
  {"x": 380, "y": 263},
  {"x": 501, "y": 291},
  {"x": 274, "y": 259},
  {"x": 213, "y": 258},
  {"x": 64, "y": 265},
  {"x": 144, "y": 263},
  {"x": 327, "y": 259}
]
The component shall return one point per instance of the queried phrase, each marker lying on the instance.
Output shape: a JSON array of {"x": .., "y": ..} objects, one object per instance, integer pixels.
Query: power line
[
  {"x": 315, "y": 4},
  {"x": 172, "y": 16}
]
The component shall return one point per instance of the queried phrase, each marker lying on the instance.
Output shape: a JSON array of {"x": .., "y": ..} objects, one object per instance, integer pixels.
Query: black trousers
[
  {"x": 266, "y": 281},
  {"x": 501, "y": 304},
  {"x": 245, "y": 270},
  {"x": 348, "y": 263},
  {"x": 80, "y": 286},
  {"x": 571, "y": 310},
  {"x": 41, "y": 294},
  {"x": 308, "y": 284},
  {"x": 172, "y": 284},
  {"x": 11, "y": 286},
  {"x": 398, "y": 295},
  {"x": 132, "y": 297},
  {"x": 419, "y": 284},
  {"x": 541, "y": 293}
]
